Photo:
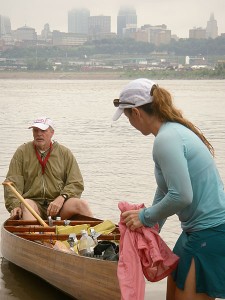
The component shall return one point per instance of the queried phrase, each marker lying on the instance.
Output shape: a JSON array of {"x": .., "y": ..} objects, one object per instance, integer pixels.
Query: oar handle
[{"x": 31, "y": 210}]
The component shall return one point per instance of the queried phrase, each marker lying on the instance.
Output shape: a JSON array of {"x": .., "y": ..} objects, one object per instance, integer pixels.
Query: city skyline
[{"x": 178, "y": 15}]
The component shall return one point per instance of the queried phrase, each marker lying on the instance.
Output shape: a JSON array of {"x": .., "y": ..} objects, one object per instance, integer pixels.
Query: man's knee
[{"x": 30, "y": 203}]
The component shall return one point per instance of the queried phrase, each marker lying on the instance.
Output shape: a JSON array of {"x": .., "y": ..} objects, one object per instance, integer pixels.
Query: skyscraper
[
  {"x": 212, "y": 28},
  {"x": 127, "y": 18},
  {"x": 5, "y": 26},
  {"x": 78, "y": 21},
  {"x": 99, "y": 25}
]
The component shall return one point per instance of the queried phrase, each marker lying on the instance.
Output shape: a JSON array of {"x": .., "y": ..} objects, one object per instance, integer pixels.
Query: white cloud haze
[{"x": 178, "y": 15}]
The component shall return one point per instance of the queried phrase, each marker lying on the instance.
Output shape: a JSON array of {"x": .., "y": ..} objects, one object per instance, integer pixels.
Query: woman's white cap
[{"x": 134, "y": 94}]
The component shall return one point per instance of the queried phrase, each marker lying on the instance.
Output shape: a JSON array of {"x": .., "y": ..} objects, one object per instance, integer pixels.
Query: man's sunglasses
[{"x": 117, "y": 102}]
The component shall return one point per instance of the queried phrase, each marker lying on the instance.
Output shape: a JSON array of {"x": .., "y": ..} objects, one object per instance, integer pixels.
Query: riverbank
[
  {"x": 63, "y": 75},
  {"x": 112, "y": 75}
]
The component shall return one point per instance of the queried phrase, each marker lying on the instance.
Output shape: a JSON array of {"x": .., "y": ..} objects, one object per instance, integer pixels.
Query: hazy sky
[{"x": 178, "y": 15}]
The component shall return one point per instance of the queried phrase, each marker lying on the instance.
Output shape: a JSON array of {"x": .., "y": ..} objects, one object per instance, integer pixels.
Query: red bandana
[{"x": 43, "y": 162}]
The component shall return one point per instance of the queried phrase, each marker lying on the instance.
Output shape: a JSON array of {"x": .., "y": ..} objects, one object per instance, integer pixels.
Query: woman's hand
[{"x": 131, "y": 218}]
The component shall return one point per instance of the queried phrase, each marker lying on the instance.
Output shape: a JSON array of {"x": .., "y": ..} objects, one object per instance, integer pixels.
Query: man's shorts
[{"x": 42, "y": 207}]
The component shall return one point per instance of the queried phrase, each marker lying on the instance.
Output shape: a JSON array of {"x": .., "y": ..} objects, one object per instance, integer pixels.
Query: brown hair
[{"x": 162, "y": 106}]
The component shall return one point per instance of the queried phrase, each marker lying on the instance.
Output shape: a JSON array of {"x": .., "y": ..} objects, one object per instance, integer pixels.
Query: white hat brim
[
  {"x": 118, "y": 113},
  {"x": 40, "y": 126}
]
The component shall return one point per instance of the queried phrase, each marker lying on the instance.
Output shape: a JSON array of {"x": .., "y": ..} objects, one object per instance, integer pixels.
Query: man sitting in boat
[{"x": 47, "y": 175}]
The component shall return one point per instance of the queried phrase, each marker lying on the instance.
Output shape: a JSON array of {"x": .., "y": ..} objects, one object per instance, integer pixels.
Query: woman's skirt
[{"x": 207, "y": 248}]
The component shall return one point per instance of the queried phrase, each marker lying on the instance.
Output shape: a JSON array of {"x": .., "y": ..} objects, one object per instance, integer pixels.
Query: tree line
[{"x": 115, "y": 47}]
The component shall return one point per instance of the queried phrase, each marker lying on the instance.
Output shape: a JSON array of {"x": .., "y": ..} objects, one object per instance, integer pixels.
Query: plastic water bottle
[
  {"x": 86, "y": 244},
  {"x": 66, "y": 222},
  {"x": 72, "y": 240},
  {"x": 50, "y": 221},
  {"x": 94, "y": 235}
]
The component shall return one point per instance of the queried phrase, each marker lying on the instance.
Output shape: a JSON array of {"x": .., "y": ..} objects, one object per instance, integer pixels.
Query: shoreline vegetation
[{"x": 113, "y": 75}]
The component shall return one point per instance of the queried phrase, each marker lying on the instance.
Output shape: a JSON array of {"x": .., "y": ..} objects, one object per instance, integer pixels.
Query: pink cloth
[{"x": 142, "y": 253}]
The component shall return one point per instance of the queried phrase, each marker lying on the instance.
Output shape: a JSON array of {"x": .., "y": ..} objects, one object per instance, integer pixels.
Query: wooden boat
[{"x": 81, "y": 277}]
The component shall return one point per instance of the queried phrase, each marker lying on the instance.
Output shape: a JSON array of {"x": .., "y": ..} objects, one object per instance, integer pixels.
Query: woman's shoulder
[
  {"x": 169, "y": 138},
  {"x": 173, "y": 130},
  {"x": 169, "y": 130}
]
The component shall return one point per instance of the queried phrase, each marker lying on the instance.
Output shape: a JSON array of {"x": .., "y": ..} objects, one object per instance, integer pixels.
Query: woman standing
[{"x": 188, "y": 185}]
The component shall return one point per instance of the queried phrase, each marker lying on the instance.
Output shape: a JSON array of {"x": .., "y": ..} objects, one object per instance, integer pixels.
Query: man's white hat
[
  {"x": 42, "y": 123},
  {"x": 134, "y": 94}
]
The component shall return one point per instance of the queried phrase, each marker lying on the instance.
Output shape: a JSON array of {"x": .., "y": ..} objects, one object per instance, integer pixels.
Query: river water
[{"x": 114, "y": 158}]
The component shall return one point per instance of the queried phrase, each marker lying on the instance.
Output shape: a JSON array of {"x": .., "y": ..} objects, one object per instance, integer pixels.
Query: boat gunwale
[{"x": 110, "y": 267}]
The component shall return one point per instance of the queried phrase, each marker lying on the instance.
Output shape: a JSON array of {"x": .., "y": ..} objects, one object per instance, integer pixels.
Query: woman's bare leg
[
  {"x": 189, "y": 292},
  {"x": 171, "y": 288}
]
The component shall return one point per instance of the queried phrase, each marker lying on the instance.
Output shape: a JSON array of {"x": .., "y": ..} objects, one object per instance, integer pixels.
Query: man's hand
[
  {"x": 55, "y": 206},
  {"x": 17, "y": 211}
]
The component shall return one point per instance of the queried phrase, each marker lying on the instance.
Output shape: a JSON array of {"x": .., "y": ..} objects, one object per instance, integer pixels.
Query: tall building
[
  {"x": 5, "y": 26},
  {"x": 78, "y": 21},
  {"x": 99, "y": 25},
  {"x": 127, "y": 18},
  {"x": 212, "y": 28}
]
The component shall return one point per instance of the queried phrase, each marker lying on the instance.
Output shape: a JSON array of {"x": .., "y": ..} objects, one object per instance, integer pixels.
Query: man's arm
[
  {"x": 74, "y": 185},
  {"x": 15, "y": 176}
]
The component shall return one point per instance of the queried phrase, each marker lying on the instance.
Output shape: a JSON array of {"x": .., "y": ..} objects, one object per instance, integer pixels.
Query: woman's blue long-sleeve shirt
[{"x": 188, "y": 182}]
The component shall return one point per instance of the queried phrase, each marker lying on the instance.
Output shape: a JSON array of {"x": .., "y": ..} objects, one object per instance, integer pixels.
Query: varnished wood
[
  {"x": 81, "y": 277},
  {"x": 13, "y": 222},
  {"x": 31, "y": 229},
  {"x": 62, "y": 237},
  {"x": 25, "y": 203}
]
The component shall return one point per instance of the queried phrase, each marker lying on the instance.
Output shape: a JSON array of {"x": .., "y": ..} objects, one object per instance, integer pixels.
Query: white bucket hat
[{"x": 134, "y": 94}]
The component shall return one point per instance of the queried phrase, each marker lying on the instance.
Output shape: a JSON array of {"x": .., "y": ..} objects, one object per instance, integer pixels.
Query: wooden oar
[{"x": 31, "y": 210}]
